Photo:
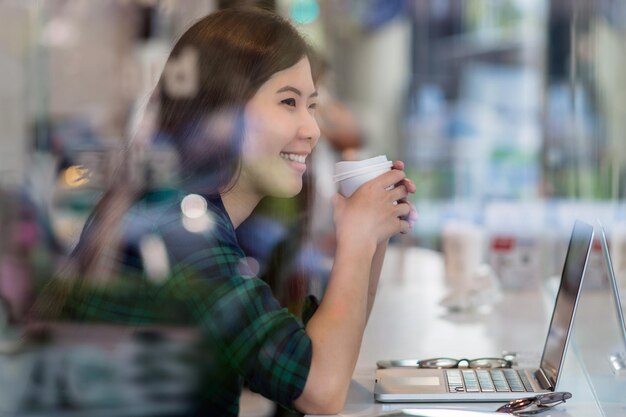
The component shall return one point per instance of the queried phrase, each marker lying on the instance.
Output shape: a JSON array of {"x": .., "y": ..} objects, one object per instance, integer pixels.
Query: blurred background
[{"x": 509, "y": 114}]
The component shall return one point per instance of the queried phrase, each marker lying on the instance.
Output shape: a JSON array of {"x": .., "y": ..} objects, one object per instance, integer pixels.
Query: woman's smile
[{"x": 296, "y": 161}]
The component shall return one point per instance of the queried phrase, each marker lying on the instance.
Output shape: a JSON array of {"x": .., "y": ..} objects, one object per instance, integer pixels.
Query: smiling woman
[
  {"x": 236, "y": 101},
  {"x": 281, "y": 132}
]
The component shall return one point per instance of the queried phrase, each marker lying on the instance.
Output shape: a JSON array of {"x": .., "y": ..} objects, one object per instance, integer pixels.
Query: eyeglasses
[
  {"x": 534, "y": 405},
  {"x": 469, "y": 363},
  {"x": 442, "y": 363}
]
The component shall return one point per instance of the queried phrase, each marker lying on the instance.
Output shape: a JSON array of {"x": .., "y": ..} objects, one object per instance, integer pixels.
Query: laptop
[
  {"x": 618, "y": 360},
  {"x": 500, "y": 384}
]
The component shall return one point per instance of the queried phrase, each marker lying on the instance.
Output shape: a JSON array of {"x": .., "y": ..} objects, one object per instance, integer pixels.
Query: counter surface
[{"x": 407, "y": 321}]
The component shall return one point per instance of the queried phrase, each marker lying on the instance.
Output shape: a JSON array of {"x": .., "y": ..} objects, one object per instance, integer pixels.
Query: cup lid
[
  {"x": 385, "y": 166},
  {"x": 345, "y": 166}
]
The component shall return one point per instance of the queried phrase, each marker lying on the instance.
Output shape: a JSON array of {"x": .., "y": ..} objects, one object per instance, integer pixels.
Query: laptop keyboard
[{"x": 487, "y": 380}]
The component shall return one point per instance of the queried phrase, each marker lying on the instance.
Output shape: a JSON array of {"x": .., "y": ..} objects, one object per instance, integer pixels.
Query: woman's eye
[
  {"x": 290, "y": 102},
  {"x": 312, "y": 106}
]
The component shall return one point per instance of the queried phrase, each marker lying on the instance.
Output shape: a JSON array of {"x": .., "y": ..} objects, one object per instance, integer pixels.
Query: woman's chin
[{"x": 287, "y": 190}]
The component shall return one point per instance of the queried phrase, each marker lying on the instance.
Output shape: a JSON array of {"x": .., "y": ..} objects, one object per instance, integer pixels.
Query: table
[{"x": 408, "y": 322}]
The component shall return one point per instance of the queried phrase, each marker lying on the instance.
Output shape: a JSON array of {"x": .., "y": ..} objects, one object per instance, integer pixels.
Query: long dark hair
[
  {"x": 236, "y": 51},
  {"x": 233, "y": 52}
]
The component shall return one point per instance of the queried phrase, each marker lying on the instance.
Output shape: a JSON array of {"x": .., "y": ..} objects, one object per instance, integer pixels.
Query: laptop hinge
[{"x": 543, "y": 380}]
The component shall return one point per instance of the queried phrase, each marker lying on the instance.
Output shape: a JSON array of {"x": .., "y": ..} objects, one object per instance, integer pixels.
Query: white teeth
[{"x": 293, "y": 157}]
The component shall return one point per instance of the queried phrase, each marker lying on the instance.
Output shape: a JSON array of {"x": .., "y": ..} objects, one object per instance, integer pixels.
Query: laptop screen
[
  {"x": 613, "y": 282},
  {"x": 566, "y": 299}
]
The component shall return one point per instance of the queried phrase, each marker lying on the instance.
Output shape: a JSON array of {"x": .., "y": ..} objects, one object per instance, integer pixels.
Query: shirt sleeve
[{"x": 253, "y": 334}]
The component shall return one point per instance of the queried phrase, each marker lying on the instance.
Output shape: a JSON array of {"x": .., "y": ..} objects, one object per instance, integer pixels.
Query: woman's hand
[
  {"x": 377, "y": 210},
  {"x": 411, "y": 188}
]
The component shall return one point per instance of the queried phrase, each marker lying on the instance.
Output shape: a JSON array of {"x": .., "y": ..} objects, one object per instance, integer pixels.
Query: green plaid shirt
[{"x": 247, "y": 335}]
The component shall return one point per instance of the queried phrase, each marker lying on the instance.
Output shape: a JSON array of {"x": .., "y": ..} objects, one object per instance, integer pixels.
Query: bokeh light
[
  {"x": 193, "y": 206},
  {"x": 304, "y": 11},
  {"x": 76, "y": 176}
]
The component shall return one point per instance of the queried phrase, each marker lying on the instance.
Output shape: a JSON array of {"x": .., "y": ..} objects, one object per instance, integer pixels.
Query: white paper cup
[{"x": 350, "y": 175}]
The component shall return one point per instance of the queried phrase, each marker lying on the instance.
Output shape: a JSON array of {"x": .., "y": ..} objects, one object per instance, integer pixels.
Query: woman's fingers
[
  {"x": 380, "y": 208},
  {"x": 402, "y": 210},
  {"x": 398, "y": 193},
  {"x": 395, "y": 178},
  {"x": 389, "y": 179},
  {"x": 405, "y": 227},
  {"x": 398, "y": 165},
  {"x": 410, "y": 185}
]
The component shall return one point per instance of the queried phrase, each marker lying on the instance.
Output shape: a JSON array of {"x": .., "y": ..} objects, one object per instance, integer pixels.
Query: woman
[{"x": 242, "y": 123}]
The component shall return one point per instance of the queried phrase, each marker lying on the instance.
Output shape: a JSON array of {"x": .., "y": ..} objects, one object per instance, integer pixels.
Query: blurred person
[
  {"x": 338, "y": 125},
  {"x": 341, "y": 139},
  {"x": 237, "y": 102},
  {"x": 20, "y": 236}
]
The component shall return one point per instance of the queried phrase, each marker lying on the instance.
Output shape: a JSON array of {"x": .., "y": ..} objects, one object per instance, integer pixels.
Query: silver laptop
[
  {"x": 618, "y": 360},
  {"x": 404, "y": 384}
]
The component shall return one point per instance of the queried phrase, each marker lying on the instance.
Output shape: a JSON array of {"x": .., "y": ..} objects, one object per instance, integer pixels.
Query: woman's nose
[{"x": 309, "y": 128}]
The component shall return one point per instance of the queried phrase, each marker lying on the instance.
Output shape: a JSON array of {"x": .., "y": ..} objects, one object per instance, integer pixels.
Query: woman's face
[{"x": 280, "y": 133}]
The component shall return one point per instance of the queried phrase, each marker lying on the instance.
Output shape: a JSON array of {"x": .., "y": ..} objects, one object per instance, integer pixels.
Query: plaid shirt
[{"x": 247, "y": 335}]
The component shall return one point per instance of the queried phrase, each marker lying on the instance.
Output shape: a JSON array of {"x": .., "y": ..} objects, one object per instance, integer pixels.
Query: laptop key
[
  {"x": 484, "y": 378},
  {"x": 455, "y": 380},
  {"x": 471, "y": 382},
  {"x": 499, "y": 381},
  {"x": 514, "y": 380},
  {"x": 526, "y": 382}
]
